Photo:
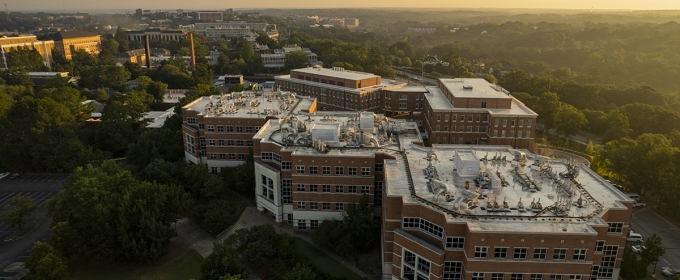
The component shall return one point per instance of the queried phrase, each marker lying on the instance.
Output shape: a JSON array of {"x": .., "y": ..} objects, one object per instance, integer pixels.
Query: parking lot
[{"x": 39, "y": 188}]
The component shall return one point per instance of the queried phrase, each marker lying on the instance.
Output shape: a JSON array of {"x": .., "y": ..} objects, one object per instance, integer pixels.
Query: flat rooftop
[
  {"x": 249, "y": 104},
  {"x": 420, "y": 89},
  {"x": 568, "y": 205},
  {"x": 342, "y": 74},
  {"x": 439, "y": 102},
  {"x": 385, "y": 84},
  {"x": 474, "y": 88}
]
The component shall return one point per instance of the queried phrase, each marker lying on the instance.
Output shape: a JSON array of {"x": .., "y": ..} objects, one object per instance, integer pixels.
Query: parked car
[
  {"x": 14, "y": 176},
  {"x": 639, "y": 203},
  {"x": 4, "y": 174},
  {"x": 669, "y": 272},
  {"x": 634, "y": 237},
  {"x": 638, "y": 249}
]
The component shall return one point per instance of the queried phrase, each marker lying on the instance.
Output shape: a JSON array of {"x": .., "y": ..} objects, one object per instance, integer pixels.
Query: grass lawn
[
  {"x": 187, "y": 266},
  {"x": 322, "y": 261}
]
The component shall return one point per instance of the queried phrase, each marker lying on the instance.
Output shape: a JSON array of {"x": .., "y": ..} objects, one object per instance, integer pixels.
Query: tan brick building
[
  {"x": 8, "y": 44},
  {"x": 68, "y": 42}
]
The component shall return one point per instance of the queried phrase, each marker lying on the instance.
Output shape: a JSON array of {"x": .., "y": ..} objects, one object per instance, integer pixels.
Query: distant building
[
  {"x": 159, "y": 52},
  {"x": 40, "y": 79},
  {"x": 68, "y": 42},
  {"x": 433, "y": 60},
  {"x": 210, "y": 16},
  {"x": 155, "y": 34},
  {"x": 8, "y": 44},
  {"x": 278, "y": 58},
  {"x": 134, "y": 56},
  {"x": 229, "y": 80},
  {"x": 41, "y": 30},
  {"x": 422, "y": 29},
  {"x": 351, "y": 22},
  {"x": 337, "y": 22},
  {"x": 232, "y": 29}
]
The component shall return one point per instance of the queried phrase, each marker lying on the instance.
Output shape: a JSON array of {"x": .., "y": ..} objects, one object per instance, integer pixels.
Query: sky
[{"x": 58, "y": 5}]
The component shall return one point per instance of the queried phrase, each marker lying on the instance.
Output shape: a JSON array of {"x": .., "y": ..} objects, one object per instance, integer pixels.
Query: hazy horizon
[{"x": 85, "y": 5}]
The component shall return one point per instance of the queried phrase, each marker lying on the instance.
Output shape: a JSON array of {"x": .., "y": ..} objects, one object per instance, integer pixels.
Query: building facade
[
  {"x": 137, "y": 56},
  {"x": 68, "y": 42},
  {"x": 155, "y": 34},
  {"x": 8, "y": 44},
  {"x": 210, "y": 15},
  {"x": 232, "y": 29},
  {"x": 277, "y": 59}
]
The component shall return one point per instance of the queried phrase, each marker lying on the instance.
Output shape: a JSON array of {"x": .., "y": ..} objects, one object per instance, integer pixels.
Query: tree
[
  {"x": 569, "y": 120},
  {"x": 223, "y": 261},
  {"x": 110, "y": 45},
  {"x": 300, "y": 272},
  {"x": 25, "y": 59},
  {"x": 110, "y": 76},
  {"x": 617, "y": 126},
  {"x": 418, "y": 64},
  {"x": 295, "y": 60},
  {"x": 45, "y": 263},
  {"x": 203, "y": 74},
  {"x": 236, "y": 88},
  {"x": 631, "y": 267},
  {"x": 135, "y": 69},
  {"x": 353, "y": 235},
  {"x": 19, "y": 207},
  {"x": 654, "y": 249}
]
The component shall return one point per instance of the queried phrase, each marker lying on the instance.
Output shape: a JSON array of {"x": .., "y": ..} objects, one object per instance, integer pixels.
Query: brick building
[
  {"x": 8, "y": 44},
  {"x": 210, "y": 15},
  {"x": 68, "y": 42},
  {"x": 456, "y": 111}
]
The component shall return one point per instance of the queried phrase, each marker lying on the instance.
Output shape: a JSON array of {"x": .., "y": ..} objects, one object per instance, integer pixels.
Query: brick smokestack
[
  {"x": 147, "y": 51},
  {"x": 193, "y": 55}
]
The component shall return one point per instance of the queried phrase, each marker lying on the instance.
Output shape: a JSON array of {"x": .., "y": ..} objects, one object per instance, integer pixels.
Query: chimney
[
  {"x": 147, "y": 51},
  {"x": 193, "y": 55}
]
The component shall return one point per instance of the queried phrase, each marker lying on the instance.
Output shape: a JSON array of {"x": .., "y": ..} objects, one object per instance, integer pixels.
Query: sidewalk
[{"x": 251, "y": 217}]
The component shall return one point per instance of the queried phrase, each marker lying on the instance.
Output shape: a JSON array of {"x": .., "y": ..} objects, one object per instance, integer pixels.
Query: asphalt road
[
  {"x": 647, "y": 222},
  {"x": 39, "y": 188}
]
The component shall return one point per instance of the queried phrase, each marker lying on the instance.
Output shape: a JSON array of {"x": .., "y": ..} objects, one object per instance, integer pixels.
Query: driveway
[
  {"x": 39, "y": 188},
  {"x": 647, "y": 222}
]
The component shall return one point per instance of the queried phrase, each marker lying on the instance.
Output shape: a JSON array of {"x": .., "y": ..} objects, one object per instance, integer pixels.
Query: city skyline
[{"x": 83, "y": 5}]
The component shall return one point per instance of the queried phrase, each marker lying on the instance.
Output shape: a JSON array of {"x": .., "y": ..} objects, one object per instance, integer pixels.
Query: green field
[
  {"x": 323, "y": 262},
  {"x": 187, "y": 266}
]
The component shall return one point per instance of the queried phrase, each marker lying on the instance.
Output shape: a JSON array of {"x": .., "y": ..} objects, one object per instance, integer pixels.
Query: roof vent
[{"x": 467, "y": 87}]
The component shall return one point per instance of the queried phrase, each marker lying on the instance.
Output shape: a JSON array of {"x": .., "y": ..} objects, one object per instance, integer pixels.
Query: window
[
  {"x": 339, "y": 189},
  {"x": 521, "y": 123},
  {"x": 516, "y": 276},
  {"x": 314, "y": 224},
  {"x": 302, "y": 224},
  {"x": 453, "y": 270},
  {"x": 249, "y": 129},
  {"x": 230, "y": 142},
  {"x": 352, "y": 171},
  {"x": 480, "y": 252},
  {"x": 520, "y": 253},
  {"x": 313, "y": 170},
  {"x": 276, "y": 158},
  {"x": 560, "y": 254},
  {"x": 192, "y": 120},
  {"x": 610, "y": 250},
  {"x": 402, "y": 105},
  {"x": 201, "y": 126},
  {"x": 580, "y": 254},
  {"x": 415, "y": 267},
  {"x": 326, "y": 188},
  {"x": 239, "y": 129},
  {"x": 483, "y": 104},
  {"x": 230, "y": 128},
  {"x": 599, "y": 246},
  {"x": 540, "y": 253},
  {"x": 536, "y": 277},
  {"x": 469, "y": 128},
  {"x": 214, "y": 170},
  {"x": 364, "y": 189},
  {"x": 339, "y": 206},
  {"x": 326, "y": 206},
  {"x": 379, "y": 167},
  {"x": 555, "y": 277},
  {"x": 453, "y": 118},
  {"x": 313, "y": 188},
  {"x": 512, "y": 123},
  {"x": 574, "y": 277},
  {"x": 249, "y": 143},
  {"x": 402, "y": 97},
  {"x": 528, "y": 134},
  {"x": 220, "y": 142},
  {"x": 232, "y": 156},
  {"x": 213, "y": 156},
  {"x": 495, "y": 123},
  {"x": 500, "y": 253},
  {"x": 423, "y": 225},
  {"x": 615, "y": 228},
  {"x": 300, "y": 187},
  {"x": 470, "y": 118},
  {"x": 495, "y": 133},
  {"x": 352, "y": 189},
  {"x": 314, "y": 205},
  {"x": 300, "y": 205},
  {"x": 257, "y": 128},
  {"x": 593, "y": 272},
  {"x": 477, "y": 276},
  {"x": 300, "y": 169},
  {"x": 286, "y": 191},
  {"x": 223, "y": 156},
  {"x": 496, "y": 276},
  {"x": 339, "y": 170},
  {"x": 220, "y": 128},
  {"x": 439, "y": 117},
  {"x": 519, "y": 134},
  {"x": 605, "y": 272},
  {"x": 290, "y": 219},
  {"x": 211, "y": 128},
  {"x": 455, "y": 242},
  {"x": 239, "y": 142},
  {"x": 211, "y": 142},
  {"x": 446, "y": 118},
  {"x": 365, "y": 171},
  {"x": 529, "y": 123},
  {"x": 325, "y": 170},
  {"x": 241, "y": 157},
  {"x": 286, "y": 165}
]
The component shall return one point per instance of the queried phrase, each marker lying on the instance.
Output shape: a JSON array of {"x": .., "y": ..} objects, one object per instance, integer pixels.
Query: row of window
[
  {"x": 302, "y": 205},
  {"x": 339, "y": 170},
  {"x": 228, "y": 156},
  {"x": 512, "y": 134},
  {"x": 212, "y": 142},
  {"x": 512, "y": 123},
  {"x": 502, "y": 276},
  {"x": 470, "y": 118},
  {"x": 424, "y": 225},
  {"x": 327, "y": 188},
  {"x": 302, "y": 224},
  {"x": 227, "y": 128},
  {"x": 538, "y": 254},
  {"x": 462, "y": 128}
]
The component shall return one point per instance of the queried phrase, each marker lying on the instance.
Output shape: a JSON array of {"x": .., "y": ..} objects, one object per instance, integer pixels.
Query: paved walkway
[
  {"x": 251, "y": 217},
  {"x": 189, "y": 234}
]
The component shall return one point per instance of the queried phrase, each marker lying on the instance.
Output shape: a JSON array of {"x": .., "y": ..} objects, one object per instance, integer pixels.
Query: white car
[
  {"x": 639, "y": 204},
  {"x": 634, "y": 237},
  {"x": 638, "y": 248},
  {"x": 670, "y": 272},
  {"x": 4, "y": 174}
]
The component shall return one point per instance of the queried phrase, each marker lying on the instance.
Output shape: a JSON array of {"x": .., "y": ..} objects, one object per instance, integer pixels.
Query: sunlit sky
[{"x": 57, "y": 5}]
